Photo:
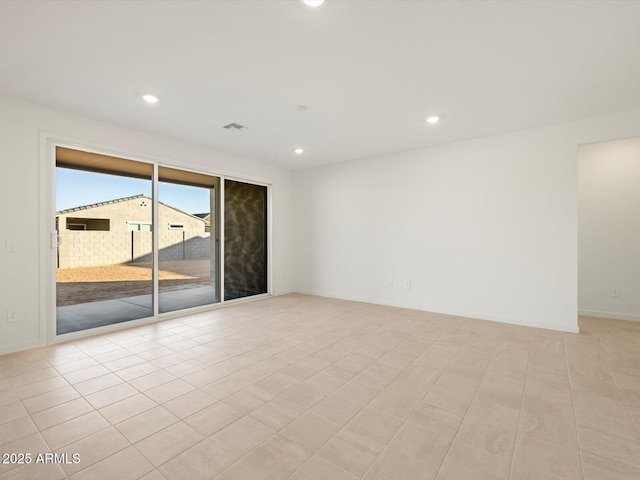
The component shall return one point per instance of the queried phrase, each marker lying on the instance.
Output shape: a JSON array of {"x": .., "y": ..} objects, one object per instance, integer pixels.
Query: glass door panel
[
  {"x": 245, "y": 239},
  {"x": 104, "y": 214},
  {"x": 187, "y": 240}
]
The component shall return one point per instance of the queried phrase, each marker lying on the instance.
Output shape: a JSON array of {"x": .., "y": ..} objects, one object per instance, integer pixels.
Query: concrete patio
[{"x": 83, "y": 316}]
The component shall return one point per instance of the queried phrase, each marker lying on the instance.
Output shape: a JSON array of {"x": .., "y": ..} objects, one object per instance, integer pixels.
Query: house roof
[
  {"x": 119, "y": 200},
  {"x": 100, "y": 204}
]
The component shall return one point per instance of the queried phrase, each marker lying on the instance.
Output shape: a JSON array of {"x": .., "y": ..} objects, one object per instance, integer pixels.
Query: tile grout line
[
  {"x": 417, "y": 404},
  {"x": 624, "y": 402},
  {"x": 465, "y": 415},
  {"x": 271, "y": 356},
  {"x": 315, "y": 404},
  {"x": 345, "y": 424},
  {"x": 365, "y": 406},
  {"x": 524, "y": 389},
  {"x": 109, "y": 424},
  {"x": 573, "y": 404}
]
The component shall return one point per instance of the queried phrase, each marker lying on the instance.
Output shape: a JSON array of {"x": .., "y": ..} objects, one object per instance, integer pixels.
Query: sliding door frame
[
  {"x": 155, "y": 236},
  {"x": 48, "y": 240}
]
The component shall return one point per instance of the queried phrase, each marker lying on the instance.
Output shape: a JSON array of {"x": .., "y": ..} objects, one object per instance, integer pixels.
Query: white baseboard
[
  {"x": 447, "y": 311},
  {"x": 283, "y": 292},
  {"x": 613, "y": 315},
  {"x": 19, "y": 347}
]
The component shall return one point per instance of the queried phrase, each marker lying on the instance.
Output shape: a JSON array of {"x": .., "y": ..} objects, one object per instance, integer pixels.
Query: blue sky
[{"x": 76, "y": 187}]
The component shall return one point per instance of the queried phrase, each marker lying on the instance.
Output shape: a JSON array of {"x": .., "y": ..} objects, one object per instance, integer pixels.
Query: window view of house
[
  {"x": 104, "y": 266},
  {"x": 187, "y": 248}
]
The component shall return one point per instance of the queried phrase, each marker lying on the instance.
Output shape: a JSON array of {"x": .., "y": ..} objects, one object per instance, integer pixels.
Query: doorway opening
[{"x": 609, "y": 230}]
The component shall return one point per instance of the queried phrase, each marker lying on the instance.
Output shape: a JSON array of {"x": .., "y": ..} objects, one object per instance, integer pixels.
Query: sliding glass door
[{"x": 135, "y": 240}]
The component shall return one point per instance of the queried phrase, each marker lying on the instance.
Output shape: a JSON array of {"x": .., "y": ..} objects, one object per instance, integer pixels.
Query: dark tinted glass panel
[{"x": 245, "y": 239}]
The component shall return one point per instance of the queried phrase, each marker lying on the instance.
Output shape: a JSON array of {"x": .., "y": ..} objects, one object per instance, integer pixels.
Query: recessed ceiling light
[
  {"x": 433, "y": 119},
  {"x": 299, "y": 151},
  {"x": 313, "y": 3},
  {"x": 150, "y": 99}
]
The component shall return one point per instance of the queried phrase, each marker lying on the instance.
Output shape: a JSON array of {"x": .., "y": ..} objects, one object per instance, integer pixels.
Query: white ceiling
[{"x": 370, "y": 71}]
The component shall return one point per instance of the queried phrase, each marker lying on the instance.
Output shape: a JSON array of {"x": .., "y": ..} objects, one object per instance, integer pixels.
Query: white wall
[
  {"x": 20, "y": 127},
  {"x": 484, "y": 228},
  {"x": 609, "y": 229}
]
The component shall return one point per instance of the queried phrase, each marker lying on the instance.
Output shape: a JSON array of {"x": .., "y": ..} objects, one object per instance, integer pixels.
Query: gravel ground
[{"x": 106, "y": 282}]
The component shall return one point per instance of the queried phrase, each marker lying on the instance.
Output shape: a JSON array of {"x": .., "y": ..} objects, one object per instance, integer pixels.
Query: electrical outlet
[
  {"x": 615, "y": 292},
  {"x": 12, "y": 316},
  {"x": 12, "y": 245},
  {"x": 390, "y": 284}
]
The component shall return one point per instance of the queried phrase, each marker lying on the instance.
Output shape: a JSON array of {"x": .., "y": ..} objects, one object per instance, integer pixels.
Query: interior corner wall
[
  {"x": 21, "y": 125},
  {"x": 609, "y": 229},
  {"x": 484, "y": 228}
]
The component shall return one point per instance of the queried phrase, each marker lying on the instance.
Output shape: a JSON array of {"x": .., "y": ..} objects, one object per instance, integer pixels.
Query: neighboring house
[
  {"x": 119, "y": 231},
  {"x": 126, "y": 215},
  {"x": 207, "y": 220}
]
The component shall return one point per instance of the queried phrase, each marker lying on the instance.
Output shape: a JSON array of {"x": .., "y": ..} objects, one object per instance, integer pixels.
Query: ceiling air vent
[{"x": 234, "y": 126}]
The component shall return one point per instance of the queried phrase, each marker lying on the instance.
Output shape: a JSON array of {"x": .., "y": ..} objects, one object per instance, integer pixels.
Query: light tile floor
[{"x": 307, "y": 388}]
